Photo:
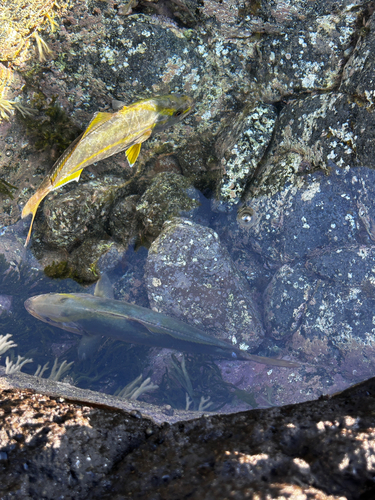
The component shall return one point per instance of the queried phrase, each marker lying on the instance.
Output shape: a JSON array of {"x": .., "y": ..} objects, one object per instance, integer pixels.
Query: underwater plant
[
  {"x": 195, "y": 383},
  {"x": 136, "y": 388}
]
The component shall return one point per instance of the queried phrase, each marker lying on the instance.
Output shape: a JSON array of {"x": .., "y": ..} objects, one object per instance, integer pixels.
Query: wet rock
[
  {"x": 169, "y": 195},
  {"x": 283, "y": 48},
  {"x": 313, "y": 132},
  {"x": 190, "y": 275},
  {"x": 324, "y": 309},
  {"x": 315, "y": 211},
  {"x": 122, "y": 219},
  {"x": 86, "y": 263},
  {"x": 91, "y": 257},
  {"x": 286, "y": 300},
  {"x": 240, "y": 159},
  {"x": 81, "y": 213},
  {"x": 124, "y": 58}
]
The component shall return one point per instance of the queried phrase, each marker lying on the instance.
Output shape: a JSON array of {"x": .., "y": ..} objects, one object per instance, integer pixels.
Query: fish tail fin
[
  {"x": 31, "y": 207},
  {"x": 244, "y": 355},
  {"x": 30, "y": 229}
]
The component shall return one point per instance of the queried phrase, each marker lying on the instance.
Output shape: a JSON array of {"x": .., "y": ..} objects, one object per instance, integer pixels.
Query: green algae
[
  {"x": 51, "y": 127},
  {"x": 196, "y": 378},
  {"x": 5, "y": 188}
]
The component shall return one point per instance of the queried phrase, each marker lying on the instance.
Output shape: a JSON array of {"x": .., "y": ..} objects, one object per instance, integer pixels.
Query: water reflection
[{"x": 303, "y": 264}]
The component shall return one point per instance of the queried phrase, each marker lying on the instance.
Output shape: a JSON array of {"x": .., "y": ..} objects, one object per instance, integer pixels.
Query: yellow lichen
[
  {"x": 20, "y": 22},
  {"x": 6, "y": 108},
  {"x": 43, "y": 48}
]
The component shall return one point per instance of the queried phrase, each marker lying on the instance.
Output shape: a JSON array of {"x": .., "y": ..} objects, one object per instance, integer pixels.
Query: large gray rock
[
  {"x": 324, "y": 309},
  {"x": 192, "y": 277},
  {"x": 314, "y": 211}
]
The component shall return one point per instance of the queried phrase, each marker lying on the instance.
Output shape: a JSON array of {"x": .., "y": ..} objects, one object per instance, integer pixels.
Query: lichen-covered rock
[
  {"x": 313, "y": 132},
  {"x": 191, "y": 276},
  {"x": 286, "y": 300},
  {"x": 283, "y": 48},
  {"x": 358, "y": 77},
  {"x": 240, "y": 159},
  {"x": 169, "y": 195},
  {"x": 81, "y": 213},
  {"x": 317, "y": 210},
  {"x": 122, "y": 219},
  {"x": 325, "y": 309}
]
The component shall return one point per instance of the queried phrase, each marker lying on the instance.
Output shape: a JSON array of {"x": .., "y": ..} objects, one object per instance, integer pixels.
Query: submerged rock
[
  {"x": 191, "y": 276},
  {"x": 169, "y": 195},
  {"x": 324, "y": 309},
  {"x": 122, "y": 219},
  {"x": 315, "y": 211},
  {"x": 81, "y": 213}
]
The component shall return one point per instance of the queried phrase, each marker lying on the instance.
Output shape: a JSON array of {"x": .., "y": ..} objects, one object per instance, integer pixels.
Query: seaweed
[
  {"x": 5, "y": 188},
  {"x": 115, "y": 363},
  {"x": 194, "y": 381},
  {"x": 52, "y": 127}
]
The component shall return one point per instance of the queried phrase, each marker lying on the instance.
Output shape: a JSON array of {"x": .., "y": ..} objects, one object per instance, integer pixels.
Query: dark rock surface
[
  {"x": 316, "y": 210},
  {"x": 55, "y": 448}
]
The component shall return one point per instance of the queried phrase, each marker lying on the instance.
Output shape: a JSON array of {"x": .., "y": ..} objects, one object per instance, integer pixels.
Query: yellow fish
[{"x": 108, "y": 134}]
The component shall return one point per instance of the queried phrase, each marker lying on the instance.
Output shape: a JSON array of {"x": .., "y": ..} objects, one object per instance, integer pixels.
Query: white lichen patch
[
  {"x": 247, "y": 152},
  {"x": 311, "y": 191}
]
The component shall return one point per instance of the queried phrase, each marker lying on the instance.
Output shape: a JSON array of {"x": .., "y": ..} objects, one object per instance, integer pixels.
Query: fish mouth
[{"x": 37, "y": 311}]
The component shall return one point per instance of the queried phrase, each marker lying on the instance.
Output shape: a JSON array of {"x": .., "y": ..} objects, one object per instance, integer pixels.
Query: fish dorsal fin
[
  {"x": 103, "y": 288},
  {"x": 72, "y": 177},
  {"x": 98, "y": 119},
  {"x": 132, "y": 153}
]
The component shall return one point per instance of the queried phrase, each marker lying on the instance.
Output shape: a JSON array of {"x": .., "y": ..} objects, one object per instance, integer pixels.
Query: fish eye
[{"x": 178, "y": 113}]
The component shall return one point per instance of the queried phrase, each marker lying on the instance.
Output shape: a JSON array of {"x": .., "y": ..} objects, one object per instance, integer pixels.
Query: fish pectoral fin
[
  {"x": 72, "y": 177},
  {"x": 88, "y": 345},
  {"x": 134, "y": 150},
  {"x": 144, "y": 327},
  {"x": 132, "y": 153},
  {"x": 98, "y": 119},
  {"x": 117, "y": 105},
  {"x": 103, "y": 287}
]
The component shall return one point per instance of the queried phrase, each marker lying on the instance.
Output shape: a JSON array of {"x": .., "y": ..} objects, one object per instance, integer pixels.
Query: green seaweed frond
[
  {"x": 43, "y": 49},
  {"x": 6, "y": 109},
  {"x": 5, "y": 188}
]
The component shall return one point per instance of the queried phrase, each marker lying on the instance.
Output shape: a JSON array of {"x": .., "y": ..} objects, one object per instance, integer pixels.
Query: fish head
[
  {"x": 171, "y": 109},
  {"x": 56, "y": 309}
]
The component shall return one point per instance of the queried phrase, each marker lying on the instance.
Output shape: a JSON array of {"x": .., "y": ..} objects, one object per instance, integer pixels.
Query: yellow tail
[{"x": 32, "y": 206}]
